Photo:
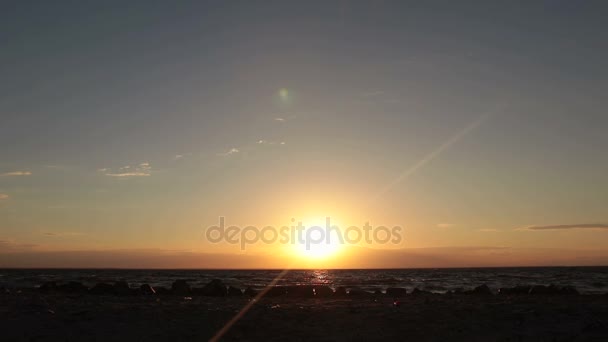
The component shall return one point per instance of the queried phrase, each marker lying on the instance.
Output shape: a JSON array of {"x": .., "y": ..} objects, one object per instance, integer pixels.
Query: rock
[
  {"x": 102, "y": 289},
  {"x": 73, "y": 287},
  {"x": 146, "y": 289},
  {"x": 162, "y": 290},
  {"x": 180, "y": 287},
  {"x": 49, "y": 286},
  {"x": 569, "y": 290},
  {"x": 517, "y": 290},
  {"x": 417, "y": 291},
  {"x": 541, "y": 289},
  {"x": 544, "y": 290},
  {"x": 122, "y": 288},
  {"x": 356, "y": 292},
  {"x": 250, "y": 292},
  {"x": 480, "y": 290},
  {"x": 323, "y": 291},
  {"x": 234, "y": 291},
  {"x": 340, "y": 292},
  {"x": 300, "y": 291},
  {"x": 215, "y": 288},
  {"x": 396, "y": 291},
  {"x": 553, "y": 290},
  {"x": 457, "y": 291}
]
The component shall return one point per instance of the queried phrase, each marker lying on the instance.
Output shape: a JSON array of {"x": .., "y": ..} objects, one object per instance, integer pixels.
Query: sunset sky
[{"x": 128, "y": 129}]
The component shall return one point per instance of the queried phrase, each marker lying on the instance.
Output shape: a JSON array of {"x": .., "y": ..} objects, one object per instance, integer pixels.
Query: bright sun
[{"x": 318, "y": 247}]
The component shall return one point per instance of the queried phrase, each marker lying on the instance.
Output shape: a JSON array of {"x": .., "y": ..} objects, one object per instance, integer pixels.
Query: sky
[{"x": 128, "y": 129}]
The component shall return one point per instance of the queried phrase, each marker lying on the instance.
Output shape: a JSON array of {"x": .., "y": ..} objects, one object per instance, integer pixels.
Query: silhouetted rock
[
  {"x": 73, "y": 287},
  {"x": 517, "y": 290},
  {"x": 396, "y": 291},
  {"x": 215, "y": 288},
  {"x": 48, "y": 286},
  {"x": 300, "y": 291},
  {"x": 340, "y": 291},
  {"x": 250, "y": 292},
  {"x": 162, "y": 290},
  {"x": 234, "y": 291},
  {"x": 356, "y": 292},
  {"x": 322, "y": 291},
  {"x": 553, "y": 290},
  {"x": 102, "y": 289},
  {"x": 146, "y": 289},
  {"x": 569, "y": 290},
  {"x": 122, "y": 288},
  {"x": 457, "y": 291},
  {"x": 180, "y": 287},
  {"x": 480, "y": 290},
  {"x": 418, "y": 291}
]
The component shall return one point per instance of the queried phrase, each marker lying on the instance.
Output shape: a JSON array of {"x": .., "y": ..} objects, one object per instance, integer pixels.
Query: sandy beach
[{"x": 32, "y": 316}]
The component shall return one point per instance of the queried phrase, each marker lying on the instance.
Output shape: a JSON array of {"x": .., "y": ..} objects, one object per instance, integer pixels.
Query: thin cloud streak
[
  {"x": 569, "y": 226},
  {"x": 16, "y": 173},
  {"x": 266, "y": 142},
  {"x": 140, "y": 170},
  {"x": 128, "y": 174},
  {"x": 229, "y": 152}
]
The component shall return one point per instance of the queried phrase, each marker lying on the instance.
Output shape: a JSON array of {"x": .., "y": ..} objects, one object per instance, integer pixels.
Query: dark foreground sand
[{"x": 60, "y": 317}]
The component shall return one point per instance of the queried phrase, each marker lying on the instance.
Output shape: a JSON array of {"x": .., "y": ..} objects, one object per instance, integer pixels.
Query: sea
[{"x": 588, "y": 280}]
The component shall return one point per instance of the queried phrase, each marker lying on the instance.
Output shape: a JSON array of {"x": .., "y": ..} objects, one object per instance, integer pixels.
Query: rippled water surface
[{"x": 586, "y": 279}]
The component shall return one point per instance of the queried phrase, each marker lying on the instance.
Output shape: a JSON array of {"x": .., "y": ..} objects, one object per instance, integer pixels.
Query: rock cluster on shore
[{"x": 217, "y": 288}]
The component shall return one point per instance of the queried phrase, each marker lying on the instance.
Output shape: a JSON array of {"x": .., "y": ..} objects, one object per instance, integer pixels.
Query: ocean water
[{"x": 587, "y": 280}]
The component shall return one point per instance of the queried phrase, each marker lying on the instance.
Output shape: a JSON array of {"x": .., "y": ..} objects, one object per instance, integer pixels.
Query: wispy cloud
[
  {"x": 380, "y": 96},
  {"x": 139, "y": 170},
  {"x": 233, "y": 150},
  {"x": 16, "y": 173},
  {"x": 284, "y": 118},
  {"x": 568, "y": 226},
  {"x": 3, "y": 196},
  {"x": 267, "y": 142},
  {"x": 62, "y": 234},
  {"x": 445, "y": 225},
  {"x": 128, "y": 174},
  {"x": 488, "y": 230},
  {"x": 182, "y": 156}
]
